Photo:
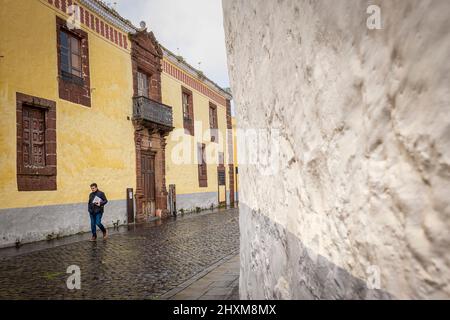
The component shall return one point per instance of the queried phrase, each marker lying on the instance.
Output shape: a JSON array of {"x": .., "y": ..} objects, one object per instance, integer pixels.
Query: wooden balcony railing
[{"x": 153, "y": 111}]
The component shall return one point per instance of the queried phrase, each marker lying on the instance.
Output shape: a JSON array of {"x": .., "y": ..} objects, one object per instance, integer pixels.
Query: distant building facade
[{"x": 202, "y": 117}]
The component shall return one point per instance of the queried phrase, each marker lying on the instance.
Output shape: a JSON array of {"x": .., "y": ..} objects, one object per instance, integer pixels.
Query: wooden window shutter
[
  {"x": 213, "y": 124},
  {"x": 33, "y": 137},
  {"x": 188, "y": 111},
  {"x": 202, "y": 166},
  {"x": 36, "y": 143}
]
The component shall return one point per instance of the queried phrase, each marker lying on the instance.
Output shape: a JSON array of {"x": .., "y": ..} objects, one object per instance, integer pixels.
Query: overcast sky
[{"x": 191, "y": 28}]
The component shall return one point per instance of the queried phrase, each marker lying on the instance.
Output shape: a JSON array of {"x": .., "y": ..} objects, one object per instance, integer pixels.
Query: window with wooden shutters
[
  {"x": 202, "y": 167},
  {"x": 33, "y": 137},
  {"x": 185, "y": 99},
  {"x": 188, "y": 111},
  {"x": 213, "y": 124},
  {"x": 36, "y": 143},
  {"x": 142, "y": 84}
]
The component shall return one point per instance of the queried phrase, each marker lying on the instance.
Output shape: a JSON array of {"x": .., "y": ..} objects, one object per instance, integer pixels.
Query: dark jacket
[{"x": 94, "y": 209}]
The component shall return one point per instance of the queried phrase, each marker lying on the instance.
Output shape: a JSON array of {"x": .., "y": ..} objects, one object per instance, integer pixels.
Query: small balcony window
[{"x": 143, "y": 90}]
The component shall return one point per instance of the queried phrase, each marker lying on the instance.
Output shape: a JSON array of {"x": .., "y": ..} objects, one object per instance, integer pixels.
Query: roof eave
[
  {"x": 108, "y": 14},
  {"x": 190, "y": 69}
]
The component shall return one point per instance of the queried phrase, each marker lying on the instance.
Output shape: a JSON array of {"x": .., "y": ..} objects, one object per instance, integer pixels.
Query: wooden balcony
[{"x": 153, "y": 112}]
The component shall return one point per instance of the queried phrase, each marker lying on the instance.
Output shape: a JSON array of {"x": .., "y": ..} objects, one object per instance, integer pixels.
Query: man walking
[{"x": 97, "y": 200}]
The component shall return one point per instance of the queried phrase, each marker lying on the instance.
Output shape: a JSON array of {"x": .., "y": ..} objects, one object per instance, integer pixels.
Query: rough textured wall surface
[{"x": 362, "y": 160}]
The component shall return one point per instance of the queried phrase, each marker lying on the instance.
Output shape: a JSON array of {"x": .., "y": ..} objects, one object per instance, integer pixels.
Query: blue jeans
[{"x": 96, "y": 220}]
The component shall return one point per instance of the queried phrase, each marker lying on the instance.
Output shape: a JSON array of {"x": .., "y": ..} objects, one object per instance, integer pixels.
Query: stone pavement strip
[
  {"x": 144, "y": 262},
  {"x": 218, "y": 282}
]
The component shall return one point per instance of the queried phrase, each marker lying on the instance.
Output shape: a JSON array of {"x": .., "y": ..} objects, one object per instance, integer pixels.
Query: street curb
[{"x": 172, "y": 292}]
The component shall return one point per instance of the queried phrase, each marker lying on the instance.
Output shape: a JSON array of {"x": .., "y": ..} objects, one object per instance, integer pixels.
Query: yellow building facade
[
  {"x": 184, "y": 154},
  {"x": 86, "y": 133},
  {"x": 73, "y": 93}
]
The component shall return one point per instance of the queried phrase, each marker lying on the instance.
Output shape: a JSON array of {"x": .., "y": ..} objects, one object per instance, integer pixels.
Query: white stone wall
[{"x": 363, "y": 153}]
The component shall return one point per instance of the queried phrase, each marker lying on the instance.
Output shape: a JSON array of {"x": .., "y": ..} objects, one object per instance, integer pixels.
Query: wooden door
[
  {"x": 221, "y": 187},
  {"x": 148, "y": 182}
]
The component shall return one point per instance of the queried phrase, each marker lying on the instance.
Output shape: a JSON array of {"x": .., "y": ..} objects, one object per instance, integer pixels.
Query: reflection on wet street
[{"x": 142, "y": 263}]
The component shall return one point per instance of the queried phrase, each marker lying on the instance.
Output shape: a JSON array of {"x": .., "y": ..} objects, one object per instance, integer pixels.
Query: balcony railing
[{"x": 153, "y": 111}]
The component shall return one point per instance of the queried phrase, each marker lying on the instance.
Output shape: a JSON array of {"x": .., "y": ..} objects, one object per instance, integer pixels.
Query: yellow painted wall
[
  {"x": 185, "y": 176},
  {"x": 93, "y": 144}
]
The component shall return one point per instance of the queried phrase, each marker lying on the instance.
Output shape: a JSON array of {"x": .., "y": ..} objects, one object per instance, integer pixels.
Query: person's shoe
[
  {"x": 105, "y": 234},
  {"x": 93, "y": 239}
]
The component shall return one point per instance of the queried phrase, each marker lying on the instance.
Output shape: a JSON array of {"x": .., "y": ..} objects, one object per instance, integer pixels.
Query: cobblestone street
[{"x": 143, "y": 263}]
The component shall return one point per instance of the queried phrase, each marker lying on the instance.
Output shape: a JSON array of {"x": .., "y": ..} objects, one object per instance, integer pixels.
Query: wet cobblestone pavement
[{"x": 139, "y": 264}]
